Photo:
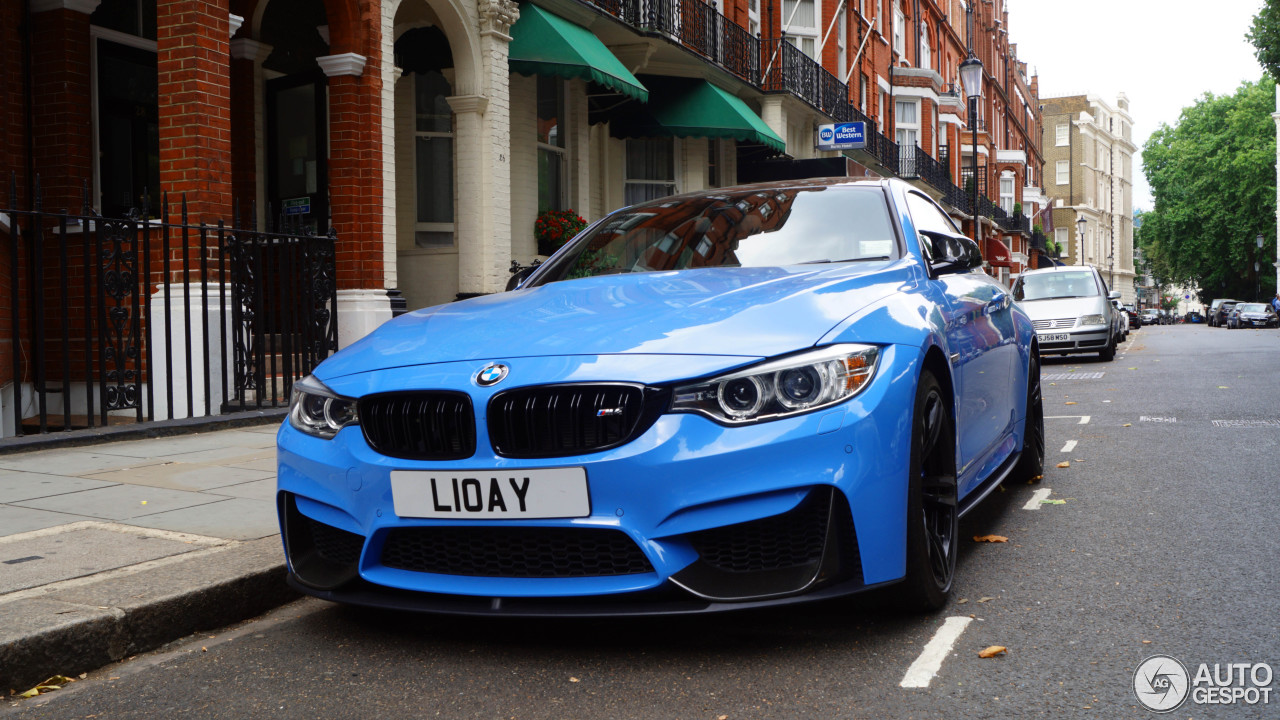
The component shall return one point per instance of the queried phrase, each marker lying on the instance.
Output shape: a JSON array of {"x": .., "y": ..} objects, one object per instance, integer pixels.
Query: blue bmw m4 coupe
[{"x": 720, "y": 400}]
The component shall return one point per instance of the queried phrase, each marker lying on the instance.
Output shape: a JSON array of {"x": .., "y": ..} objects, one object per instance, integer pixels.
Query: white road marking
[
  {"x": 1037, "y": 499},
  {"x": 1084, "y": 419},
  {"x": 923, "y": 670},
  {"x": 1069, "y": 446}
]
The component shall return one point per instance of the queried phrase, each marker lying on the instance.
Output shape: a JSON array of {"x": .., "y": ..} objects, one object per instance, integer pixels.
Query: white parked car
[{"x": 1071, "y": 309}]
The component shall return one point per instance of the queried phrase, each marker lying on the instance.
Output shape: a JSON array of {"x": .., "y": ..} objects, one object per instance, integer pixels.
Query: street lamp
[
  {"x": 971, "y": 78},
  {"x": 1081, "y": 223}
]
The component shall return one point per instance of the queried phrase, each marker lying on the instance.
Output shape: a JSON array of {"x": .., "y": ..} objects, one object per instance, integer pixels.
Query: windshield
[
  {"x": 756, "y": 228},
  {"x": 1252, "y": 307},
  {"x": 1055, "y": 285}
]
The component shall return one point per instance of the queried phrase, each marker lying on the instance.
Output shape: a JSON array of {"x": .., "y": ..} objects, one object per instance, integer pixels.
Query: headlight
[
  {"x": 316, "y": 410},
  {"x": 1092, "y": 320},
  {"x": 780, "y": 388}
]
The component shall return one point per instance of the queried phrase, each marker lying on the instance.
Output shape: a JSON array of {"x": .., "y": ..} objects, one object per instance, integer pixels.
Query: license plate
[
  {"x": 1061, "y": 337},
  {"x": 491, "y": 494}
]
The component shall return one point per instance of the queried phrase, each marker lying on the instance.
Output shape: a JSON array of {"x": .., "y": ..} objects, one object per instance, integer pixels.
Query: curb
[{"x": 78, "y": 629}]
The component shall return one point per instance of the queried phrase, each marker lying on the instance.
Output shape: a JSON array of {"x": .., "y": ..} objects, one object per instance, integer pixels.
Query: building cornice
[
  {"x": 81, "y": 6},
  {"x": 342, "y": 64}
]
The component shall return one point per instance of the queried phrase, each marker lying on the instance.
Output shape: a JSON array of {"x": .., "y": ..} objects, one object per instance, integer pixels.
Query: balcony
[
  {"x": 787, "y": 69},
  {"x": 696, "y": 26}
]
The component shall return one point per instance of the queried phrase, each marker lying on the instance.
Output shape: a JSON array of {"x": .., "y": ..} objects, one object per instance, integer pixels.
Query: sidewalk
[{"x": 113, "y": 549}]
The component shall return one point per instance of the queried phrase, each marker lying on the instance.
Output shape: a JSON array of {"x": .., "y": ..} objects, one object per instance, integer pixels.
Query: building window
[
  {"x": 862, "y": 92},
  {"x": 651, "y": 169},
  {"x": 551, "y": 144},
  {"x": 127, "y": 161},
  {"x": 842, "y": 51},
  {"x": 433, "y": 169},
  {"x": 1060, "y": 237},
  {"x": 926, "y": 52},
  {"x": 1064, "y": 173},
  {"x": 753, "y": 17},
  {"x": 715, "y": 163},
  {"x": 800, "y": 20},
  {"x": 907, "y": 124},
  {"x": 899, "y": 29},
  {"x": 1006, "y": 192}
]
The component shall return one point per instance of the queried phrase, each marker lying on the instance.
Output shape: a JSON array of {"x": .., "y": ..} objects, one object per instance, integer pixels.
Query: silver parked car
[{"x": 1071, "y": 310}]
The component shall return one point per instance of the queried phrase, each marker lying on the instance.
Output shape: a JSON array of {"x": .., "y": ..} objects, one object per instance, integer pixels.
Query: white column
[{"x": 169, "y": 360}]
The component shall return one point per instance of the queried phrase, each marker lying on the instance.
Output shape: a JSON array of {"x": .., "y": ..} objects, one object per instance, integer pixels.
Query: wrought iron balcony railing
[{"x": 697, "y": 26}]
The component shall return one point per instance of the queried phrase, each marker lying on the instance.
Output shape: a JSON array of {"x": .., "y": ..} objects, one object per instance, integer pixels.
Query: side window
[{"x": 927, "y": 216}]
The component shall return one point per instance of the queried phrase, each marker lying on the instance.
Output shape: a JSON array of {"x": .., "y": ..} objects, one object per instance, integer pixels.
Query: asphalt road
[{"x": 1165, "y": 543}]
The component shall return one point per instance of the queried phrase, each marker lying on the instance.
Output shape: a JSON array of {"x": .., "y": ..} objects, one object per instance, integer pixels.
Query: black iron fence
[{"x": 151, "y": 317}]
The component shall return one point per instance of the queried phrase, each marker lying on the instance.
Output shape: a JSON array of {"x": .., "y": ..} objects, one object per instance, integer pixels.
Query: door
[{"x": 297, "y": 153}]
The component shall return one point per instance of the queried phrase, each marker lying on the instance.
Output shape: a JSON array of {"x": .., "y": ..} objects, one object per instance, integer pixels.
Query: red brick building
[{"x": 427, "y": 136}]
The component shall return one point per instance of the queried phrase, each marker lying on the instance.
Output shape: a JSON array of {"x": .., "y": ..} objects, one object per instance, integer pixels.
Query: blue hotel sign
[{"x": 842, "y": 136}]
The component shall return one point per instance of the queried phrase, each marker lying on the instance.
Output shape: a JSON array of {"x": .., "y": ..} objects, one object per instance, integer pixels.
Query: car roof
[{"x": 1059, "y": 268}]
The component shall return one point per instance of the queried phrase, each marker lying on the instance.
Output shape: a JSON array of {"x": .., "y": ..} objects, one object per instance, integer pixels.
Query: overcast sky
[{"x": 1163, "y": 55}]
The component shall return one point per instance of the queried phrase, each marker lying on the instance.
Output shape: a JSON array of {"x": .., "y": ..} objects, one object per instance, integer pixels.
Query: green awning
[
  {"x": 543, "y": 43},
  {"x": 685, "y": 107}
]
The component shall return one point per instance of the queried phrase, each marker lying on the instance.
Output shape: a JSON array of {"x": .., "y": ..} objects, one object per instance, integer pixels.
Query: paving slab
[
  {"x": 15, "y": 485},
  {"x": 15, "y": 519},
  {"x": 264, "y": 489},
  {"x": 169, "y": 446},
  {"x": 231, "y": 455},
  {"x": 71, "y": 462},
  {"x": 234, "y": 518},
  {"x": 267, "y": 464},
  {"x": 34, "y": 559},
  {"x": 179, "y": 475},
  {"x": 119, "y": 502}
]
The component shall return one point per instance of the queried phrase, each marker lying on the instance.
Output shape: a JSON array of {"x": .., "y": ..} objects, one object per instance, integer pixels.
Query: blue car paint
[
  {"x": 687, "y": 473},
  {"x": 664, "y": 328}
]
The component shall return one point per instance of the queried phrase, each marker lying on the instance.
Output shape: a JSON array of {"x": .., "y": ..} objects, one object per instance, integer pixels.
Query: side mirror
[
  {"x": 1113, "y": 295},
  {"x": 952, "y": 253}
]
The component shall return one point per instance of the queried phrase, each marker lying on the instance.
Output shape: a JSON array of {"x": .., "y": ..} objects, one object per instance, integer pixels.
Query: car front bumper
[
  {"x": 1086, "y": 339},
  {"x": 690, "y": 516}
]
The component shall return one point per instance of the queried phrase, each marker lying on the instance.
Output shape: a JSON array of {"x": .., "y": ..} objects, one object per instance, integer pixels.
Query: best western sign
[{"x": 842, "y": 136}]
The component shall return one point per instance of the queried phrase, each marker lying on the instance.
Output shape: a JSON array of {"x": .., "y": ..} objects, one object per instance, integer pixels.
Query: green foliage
[
  {"x": 1264, "y": 33},
  {"x": 1213, "y": 178}
]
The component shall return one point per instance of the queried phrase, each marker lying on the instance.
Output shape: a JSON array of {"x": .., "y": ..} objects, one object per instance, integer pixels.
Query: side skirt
[{"x": 988, "y": 486}]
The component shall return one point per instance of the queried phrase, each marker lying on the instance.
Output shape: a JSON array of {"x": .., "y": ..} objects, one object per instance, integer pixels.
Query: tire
[
  {"x": 932, "y": 518},
  {"x": 1108, "y": 353},
  {"x": 1030, "y": 467}
]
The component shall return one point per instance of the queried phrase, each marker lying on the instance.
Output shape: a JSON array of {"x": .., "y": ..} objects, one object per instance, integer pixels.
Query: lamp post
[
  {"x": 1081, "y": 223},
  {"x": 971, "y": 78},
  {"x": 1257, "y": 270}
]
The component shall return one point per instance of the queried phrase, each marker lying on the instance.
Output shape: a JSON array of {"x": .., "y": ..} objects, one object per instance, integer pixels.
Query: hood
[
  {"x": 747, "y": 312},
  {"x": 1064, "y": 307}
]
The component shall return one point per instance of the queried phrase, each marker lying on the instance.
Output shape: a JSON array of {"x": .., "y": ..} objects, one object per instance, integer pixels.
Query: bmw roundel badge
[{"x": 492, "y": 374}]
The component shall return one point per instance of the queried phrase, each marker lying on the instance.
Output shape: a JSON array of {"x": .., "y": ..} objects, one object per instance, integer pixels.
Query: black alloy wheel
[
  {"x": 1031, "y": 462},
  {"x": 932, "y": 518}
]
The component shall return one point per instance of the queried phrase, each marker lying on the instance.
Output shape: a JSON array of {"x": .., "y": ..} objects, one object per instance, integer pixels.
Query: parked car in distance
[
  {"x": 1121, "y": 317},
  {"x": 1135, "y": 318},
  {"x": 1195, "y": 317},
  {"x": 719, "y": 400},
  {"x": 1252, "y": 315},
  {"x": 1070, "y": 308},
  {"x": 1217, "y": 316},
  {"x": 1151, "y": 316}
]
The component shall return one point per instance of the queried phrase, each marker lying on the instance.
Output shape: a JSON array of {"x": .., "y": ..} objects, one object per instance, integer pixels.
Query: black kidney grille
[
  {"x": 510, "y": 552},
  {"x": 559, "y": 420},
  {"x": 788, "y": 540},
  {"x": 433, "y": 425}
]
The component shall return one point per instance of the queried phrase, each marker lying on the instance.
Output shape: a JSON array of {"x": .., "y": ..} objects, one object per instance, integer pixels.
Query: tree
[
  {"x": 1213, "y": 179},
  {"x": 1265, "y": 36}
]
